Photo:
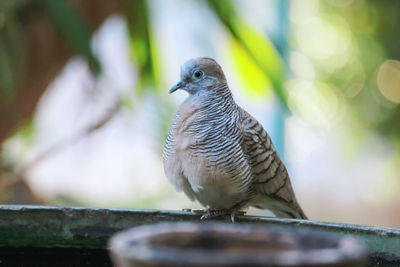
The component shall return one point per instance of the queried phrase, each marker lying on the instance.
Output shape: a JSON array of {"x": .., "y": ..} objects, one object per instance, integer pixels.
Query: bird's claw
[
  {"x": 216, "y": 213},
  {"x": 210, "y": 213},
  {"x": 239, "y": 213}
]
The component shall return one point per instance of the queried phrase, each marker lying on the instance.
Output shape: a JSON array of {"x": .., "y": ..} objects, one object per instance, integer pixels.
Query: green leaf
[
  {"x": 250, "y": 75},
  {"x": 257, "y": 45},
  {"x": 11, "y": 47},
  {"x": 143, "y": 45},
  {"x": 264, "y": 54},
  {"x": 73, "y": 28},
  {"x": 6, "y": 74}
]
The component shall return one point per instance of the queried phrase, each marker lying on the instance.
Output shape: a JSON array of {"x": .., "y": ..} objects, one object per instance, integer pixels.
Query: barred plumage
[{"x": 219, "y": 154}]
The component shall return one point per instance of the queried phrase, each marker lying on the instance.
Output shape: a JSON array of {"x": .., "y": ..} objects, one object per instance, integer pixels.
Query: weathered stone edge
[{"x": 49, "y": 226}]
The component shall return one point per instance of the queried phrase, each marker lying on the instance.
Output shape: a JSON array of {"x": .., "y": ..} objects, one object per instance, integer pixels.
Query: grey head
[{"x": 198, "y": 75}]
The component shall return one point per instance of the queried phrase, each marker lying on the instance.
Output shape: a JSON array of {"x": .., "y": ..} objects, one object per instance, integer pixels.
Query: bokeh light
[
  {"x": 322, "y": 76},
  {"x": 389, "y": 80}
]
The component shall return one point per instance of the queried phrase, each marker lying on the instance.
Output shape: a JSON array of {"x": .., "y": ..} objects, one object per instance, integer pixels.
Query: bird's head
[{"x": 199, "y": 75}]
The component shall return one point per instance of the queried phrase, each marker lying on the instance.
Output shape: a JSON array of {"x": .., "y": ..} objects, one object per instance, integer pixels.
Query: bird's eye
[{"x": 198, "y": 74}]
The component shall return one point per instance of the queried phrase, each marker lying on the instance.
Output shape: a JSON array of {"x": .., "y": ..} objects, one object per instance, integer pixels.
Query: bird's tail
[
  {"x": 283, "y": 209},
  {"x": 293, "y": 211},
  {"x": 303, "y": 215},
  {"x": 300, "y": 213}
]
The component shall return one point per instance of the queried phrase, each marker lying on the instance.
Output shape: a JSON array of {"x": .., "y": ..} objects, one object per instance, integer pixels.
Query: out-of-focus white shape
[
  {"x": 65, "y": 103},
  {"x": 303, "y": 9},
  {"x": 332, "y": 184},
  {"x": 326, "y": 39},
  {"x": 389, "y": 80},
  {"x": 261, "y": 15},
  {"x": 301, "y": 66},
  {"x": 315, "y": 102},
  {"x": 15, "y": 151},
  {"x": 179, "y": 40},
  {"x": 111, "y": 45},
  {"x": 297, "y": 138},
  {"x": 117, "y": 164}
]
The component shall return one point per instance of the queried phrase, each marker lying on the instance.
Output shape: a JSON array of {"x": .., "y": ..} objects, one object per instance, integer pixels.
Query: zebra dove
[{"x": 220, "y": 155}]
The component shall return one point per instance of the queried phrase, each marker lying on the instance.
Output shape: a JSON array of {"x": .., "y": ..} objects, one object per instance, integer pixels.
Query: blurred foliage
[
  {"x": 387, "y": 33},
  {"x": 65, "y": 16},
  {"x": 377, "y": 40},
  {"x": 344, "y": 44},
  {"x": 257, "y": 61},
  {"x": 73, "y": 28},
  {"x": 341, "y": 48},
  {"x": 142, "y": 44},
  {"x": 11, "y": 45},
  {"x": 257, "y": 52},
  {"x": 364, "y": 42}
]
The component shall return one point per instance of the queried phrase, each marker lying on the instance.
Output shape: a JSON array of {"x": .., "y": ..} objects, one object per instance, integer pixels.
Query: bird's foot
[
  {"x": 232, "y": 212},
  {"x": 207, "y": 213},
  {"x": 217, "y": 213},
  {"x": 236, "y": 210}
]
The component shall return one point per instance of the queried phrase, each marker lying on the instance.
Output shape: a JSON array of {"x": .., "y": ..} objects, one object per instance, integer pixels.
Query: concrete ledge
[{"x": 90, "y": 228}]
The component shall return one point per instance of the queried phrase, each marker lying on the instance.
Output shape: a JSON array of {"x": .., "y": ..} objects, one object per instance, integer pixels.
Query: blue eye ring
[{"x": 197, "y": 74}]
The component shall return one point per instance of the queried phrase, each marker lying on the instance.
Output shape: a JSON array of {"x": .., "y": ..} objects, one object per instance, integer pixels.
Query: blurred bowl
[{"x": 226, "y": 244}]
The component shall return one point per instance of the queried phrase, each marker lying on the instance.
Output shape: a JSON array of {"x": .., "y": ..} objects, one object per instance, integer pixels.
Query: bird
[{"x": 220, "y": 155}]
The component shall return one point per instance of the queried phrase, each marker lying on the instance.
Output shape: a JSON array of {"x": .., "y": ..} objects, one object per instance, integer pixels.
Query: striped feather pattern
[{"x": 220, "y": 155}]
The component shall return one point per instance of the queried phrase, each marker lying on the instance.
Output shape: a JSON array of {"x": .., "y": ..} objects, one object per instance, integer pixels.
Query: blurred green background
[{"x": 84, "y": 109}]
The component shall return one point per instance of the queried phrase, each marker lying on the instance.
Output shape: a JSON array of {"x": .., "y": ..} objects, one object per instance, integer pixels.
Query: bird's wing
[{"x": 270, "y": 177}]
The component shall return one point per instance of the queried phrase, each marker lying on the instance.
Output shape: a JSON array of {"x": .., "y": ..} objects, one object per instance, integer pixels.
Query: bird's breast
[{"x": 208, "y": 151}]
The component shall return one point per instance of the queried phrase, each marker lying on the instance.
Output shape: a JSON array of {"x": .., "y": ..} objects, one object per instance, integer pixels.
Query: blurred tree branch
[
  {"x": 11, "y": 178},
  {"x": 37, "y": 37},
  {"x": 42, "y": 55}
]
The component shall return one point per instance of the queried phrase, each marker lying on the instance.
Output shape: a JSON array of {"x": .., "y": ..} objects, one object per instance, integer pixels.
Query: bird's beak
[{"x": 177, "y": 86}]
